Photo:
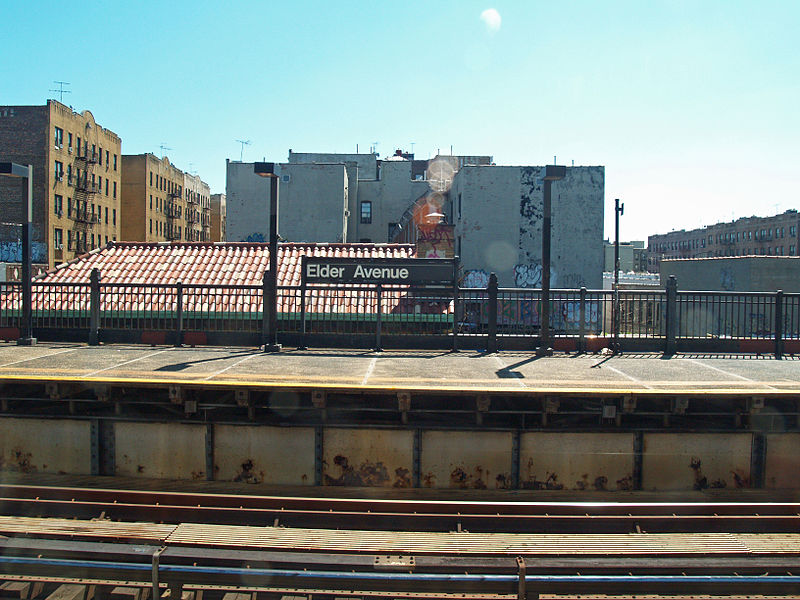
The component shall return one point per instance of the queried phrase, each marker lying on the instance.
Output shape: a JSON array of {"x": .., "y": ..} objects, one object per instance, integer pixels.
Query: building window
[
  {"x": 106, "y": 186},
  {"x": 69, "y": 207},
  {"x": 69, "y": 141},
  {"x": 151, "y": 225},
  {"x": 69, "y": 239},
  {"x": 151, "y": 178},
  {"x": 106, "y": 158},
  {"x": 114, "y": 217},
  {"x": 366, "y": 211},
  {"x": 791, "y": 250},
  {"x": 106, "y": 215},
  {"x": 59, "y": 168},
  {"x": 58, "y": 239},
  {"x": 59, "y": 137},
  {"x": 114, "y": 189},
  {"x": 58, "y": 205},
  {"x": 99, "y": 156},
  {"x": 792, "y": 231}
]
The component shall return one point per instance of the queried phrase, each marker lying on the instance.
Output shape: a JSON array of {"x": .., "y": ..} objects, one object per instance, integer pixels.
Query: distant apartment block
[
  {"x": 218, "y": 218},
  {"x": 632, "y": 256},
  {"x": 491, "y": 216},
  {"x": 749, "y": 236},
  {"x": 76, "y": 184},
  {"x": 162, "y": 203}
]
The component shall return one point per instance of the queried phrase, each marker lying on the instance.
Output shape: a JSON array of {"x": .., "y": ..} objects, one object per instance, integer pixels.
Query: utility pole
[{"x": 619, "y": 209}]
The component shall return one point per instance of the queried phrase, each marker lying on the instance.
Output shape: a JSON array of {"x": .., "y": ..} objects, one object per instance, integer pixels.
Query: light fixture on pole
[
  {"x": 619, "y": 209},
  {"x": 15, "y": 170},
  {"x": 551, "y": 173},
  {"x": 265, "y": 169}
]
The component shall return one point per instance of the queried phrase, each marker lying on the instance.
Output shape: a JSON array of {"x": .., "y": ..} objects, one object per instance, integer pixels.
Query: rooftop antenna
[
  {"x": 554, "y": 159},
  {"x": 61, "y": 91},
  {"x": 375, "y": 147},
  {"x": 412, "y": 147},
  {"x": 192, "y": 170},
  {"x": 164, "y": 147},
  {"x": 243, "y": 143}
]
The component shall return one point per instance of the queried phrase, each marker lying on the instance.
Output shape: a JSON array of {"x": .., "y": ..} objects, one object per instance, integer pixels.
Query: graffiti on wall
[
  {"x": 12, "y": 252},
  {"x": 257, "y": 237},
  {"x": 565, "y": 315},
  {"x": 435, "y": 241},
  {"x": 476, "y": 278},
  {"x": 727, "y": 280},
  {"x": 529, "y": 276}
]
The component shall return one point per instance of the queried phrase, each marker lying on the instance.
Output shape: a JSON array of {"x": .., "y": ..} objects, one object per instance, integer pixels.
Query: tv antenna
[
  {"x": 375, "y": 147},
  {"x": 243, "y": 143},
  {"x": 412, "y": 146},
  {"x": 163, "y": 147},
  {"x": 61, "y": 91}
]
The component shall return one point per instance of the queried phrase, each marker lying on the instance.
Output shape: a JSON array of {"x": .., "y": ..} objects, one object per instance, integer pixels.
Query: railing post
[
  {"x": 672, "y": 315},
  {"x": 94, "y": 307},
  {"x": 455, "y": 304},
  {"x": 491, "y": 341},
  {"x": 379, "y": 320},
  {"x": 779, "y": 324},
  {"x": 265, "y": 309},
  {"x": 303, "y": 290},
  {"x": 582, "y": 322},
  {"x": 179, "y": 314}
]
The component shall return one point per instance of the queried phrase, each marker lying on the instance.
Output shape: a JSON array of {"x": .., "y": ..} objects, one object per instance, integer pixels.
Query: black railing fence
[{"x": 372, "y": 316}]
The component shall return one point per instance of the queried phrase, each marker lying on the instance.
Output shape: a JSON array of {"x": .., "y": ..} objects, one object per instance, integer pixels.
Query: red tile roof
[
  {"x": 225, "y": 263},
  {"x": 214, "y": 264}
]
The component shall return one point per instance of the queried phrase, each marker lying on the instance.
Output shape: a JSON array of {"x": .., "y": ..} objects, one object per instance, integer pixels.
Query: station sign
[{"x": 408, "y": 271}]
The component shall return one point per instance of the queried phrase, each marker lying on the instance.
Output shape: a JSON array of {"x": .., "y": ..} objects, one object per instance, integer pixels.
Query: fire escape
[
  {"x": 173, "y": 211},
  {"x": 85, "y": 189},
  {"x": 191, "y": 217}
]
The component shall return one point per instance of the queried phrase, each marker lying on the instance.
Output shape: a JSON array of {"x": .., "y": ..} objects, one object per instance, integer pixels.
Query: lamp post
[
  {"x": 619, "y": 209},
  {"x": 265, "y": 169},
  {"x": 551, "y": 173},
  {"x": 14, "y": 170}
]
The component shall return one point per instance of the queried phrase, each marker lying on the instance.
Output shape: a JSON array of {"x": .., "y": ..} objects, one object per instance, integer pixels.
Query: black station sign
[{"x": 409, "y": 271}]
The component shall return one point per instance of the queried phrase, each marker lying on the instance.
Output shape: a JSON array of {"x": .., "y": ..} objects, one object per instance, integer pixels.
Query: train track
[{"x": 400, "y": 515}]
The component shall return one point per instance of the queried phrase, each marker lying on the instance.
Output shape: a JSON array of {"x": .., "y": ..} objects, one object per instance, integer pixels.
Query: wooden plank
[
  {"x": 69, "y": 591},
  {"x": 24, "y": 590}
]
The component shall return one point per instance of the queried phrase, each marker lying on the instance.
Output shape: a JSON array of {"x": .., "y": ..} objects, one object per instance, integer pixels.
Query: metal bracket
[
  {"x": 156, "y": 556},
  {"x": 756, "y": 404},
  {"x": 680, "y": 405},
  {"x": 404, "y": 405},
  {"x": 551, "y": 405},
  {"x": 190, "y": 407},
  {"x": 483, "y": 402},
  {"x": 243, "y": 398},
  {"x": 51, "y": 389},
  {"x": 628, "y": 404},
  {"x": 101, "y": 393},
  {"x": 522, "y": 570},
  {"x": 319, "y": 399},
  {"x": 175, "y": 394},
  {"x": 394, "y": 562}
]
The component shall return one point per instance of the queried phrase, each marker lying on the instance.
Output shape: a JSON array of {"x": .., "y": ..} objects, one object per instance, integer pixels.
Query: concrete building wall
[
  {"x": 365, "y": 163},
  {"x": 247, "y": 203},
  {"x": 313, "y": 201},
  {"x": 498, "y": 214},
  {"x": 739, "y": 274},
  {"x": 626, "y": 262},
  {"x": 61, "y": 144}
]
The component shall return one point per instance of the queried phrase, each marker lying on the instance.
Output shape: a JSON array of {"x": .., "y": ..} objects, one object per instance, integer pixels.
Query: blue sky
[{"x": 692, "y": 106}]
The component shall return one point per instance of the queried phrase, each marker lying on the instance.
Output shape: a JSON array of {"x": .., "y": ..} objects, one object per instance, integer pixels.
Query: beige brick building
[
  {"x": 76, "y": 184},
  {"x": 218, "y": 217},
  {"x": 160, "y": 202}
]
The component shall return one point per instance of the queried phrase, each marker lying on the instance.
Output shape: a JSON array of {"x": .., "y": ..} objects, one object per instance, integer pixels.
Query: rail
[{"x": 401, "y": 316}]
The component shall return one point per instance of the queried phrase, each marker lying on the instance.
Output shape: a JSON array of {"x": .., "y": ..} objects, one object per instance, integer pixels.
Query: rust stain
[
  {"x": 583, "y": 482},
  {"x": 198, "y": 475},
  {"x": 429, "y": 480},
  {"x": 304, "y": 478},
  {"x": 402, "y": 478},
  {"x": 625, "y": 484},
  {"x": 19, "y": 461},
  {"x": 247, "y": 473},
  {"x": 739, "y": 480},
  {"x": 550, "y": 483},
  {"x": 601, "y": 483},
  {"x": 700, "y": 481},
  {"x": 459, "y": 478},
  {"x": 502, "y": 482},
  {"x": 140, "y": 469},
  {"x": 368, "y": 474}
]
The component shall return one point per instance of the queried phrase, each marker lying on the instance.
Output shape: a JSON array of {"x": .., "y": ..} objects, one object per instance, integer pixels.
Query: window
[
  {"x": 151, "y": 201},
  {"x": 69, "y": 207},
  {"x": 58, "y": 239},
  {"x": 106, "y": 215},
  {"x": 92, "y": 241},
  {"x": 151, "y": 225},
  {"x": 115, "y": 162},
  {"x": 69, "y": 239},
  {"x": 791, "y": 250},
  {"x": 99, "y": 157},
  {"x": 792, "y": 231},
  {"x": 69, "y": 141},
  {"x": 114, "y": 217},
  {"x": 79, "y": 153},
  {"x": 59, "y": 170},
  {"x": 106, "y": 158},
  {"x": 366, "y": 211},
  {"x": 59, "y": 137},
  {"x": 58, "y": 205},
  {"x": 106, "y": 186},
  {"x": 151, "y": 178},
  {"x": 114, "y": 190}
]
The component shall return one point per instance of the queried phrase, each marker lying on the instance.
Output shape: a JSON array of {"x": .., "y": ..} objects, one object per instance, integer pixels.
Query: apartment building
[
  {"x": 748, "y": 236},
  {"x": 161, "y": 203},
  {"x": 218, "y": 218},
  {"x": 76, "y": 183}
]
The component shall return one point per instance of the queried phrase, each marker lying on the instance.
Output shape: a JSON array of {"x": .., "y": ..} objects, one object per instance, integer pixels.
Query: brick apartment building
[
  {"x": 749, "y": 236},
  {"x": 162, "y": 203},
  {"x": 76, "y": 181}
]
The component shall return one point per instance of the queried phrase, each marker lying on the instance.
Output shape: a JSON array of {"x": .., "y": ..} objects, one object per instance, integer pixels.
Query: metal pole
[
  {"x": 455, "y": 304},
  {"x": 491, "y": 339},
  {"x": 618, "y": 210},
  {"x": 272, "y": 342},
  {"x": 544, "y": 325},
  {"x": 379, "y": 320},
  {"x": 27, "y": 338}
]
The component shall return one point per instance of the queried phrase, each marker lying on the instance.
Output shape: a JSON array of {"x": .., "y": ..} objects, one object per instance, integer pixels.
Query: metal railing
[{"x": 500, "y": 318}]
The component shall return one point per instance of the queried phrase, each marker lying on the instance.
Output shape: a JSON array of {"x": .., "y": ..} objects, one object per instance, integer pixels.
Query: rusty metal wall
[
  {"x": 576, "y": 461},
  {"x": 782, "y": 469},
  {"x": 368, "y": 457},
  {"x": 273, "y": 455},
  {"x": 160, "y": 450},
  {"x": 686, "y": 461},
  {"x": 466, "y": 459},
  {"x": 45, "y": 446}
]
